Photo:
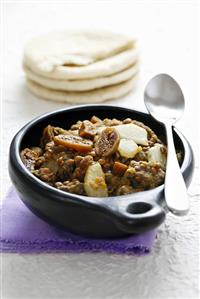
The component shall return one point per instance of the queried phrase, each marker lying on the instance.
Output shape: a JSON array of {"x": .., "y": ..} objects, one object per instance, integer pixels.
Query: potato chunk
[
  {"x": 128, "y": 148},
  {"x": 94, "y": 181},
  {"x": 155, "y": 154},
  {"x": 132, "y": 132}
]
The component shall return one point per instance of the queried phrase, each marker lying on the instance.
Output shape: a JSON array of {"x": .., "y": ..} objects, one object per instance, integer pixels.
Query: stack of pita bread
[{"x": 81, "y": 66}]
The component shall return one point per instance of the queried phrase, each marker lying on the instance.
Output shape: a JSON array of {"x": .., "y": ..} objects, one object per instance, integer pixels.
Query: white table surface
[{"x": 167, "y": 32}]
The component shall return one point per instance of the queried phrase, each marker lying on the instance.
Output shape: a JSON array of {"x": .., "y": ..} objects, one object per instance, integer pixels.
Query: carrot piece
[{"x": 119, "y": 168}]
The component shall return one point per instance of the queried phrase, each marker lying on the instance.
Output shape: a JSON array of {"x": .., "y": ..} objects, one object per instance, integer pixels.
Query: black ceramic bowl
[{"x": 99, "y": 217}]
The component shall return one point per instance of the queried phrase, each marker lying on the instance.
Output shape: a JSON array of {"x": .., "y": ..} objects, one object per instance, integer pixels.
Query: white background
[{"x": 167, "y": 32}]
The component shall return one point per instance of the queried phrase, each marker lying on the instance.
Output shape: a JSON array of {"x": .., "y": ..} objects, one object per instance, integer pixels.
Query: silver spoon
[{"x": 165, "y": 102}]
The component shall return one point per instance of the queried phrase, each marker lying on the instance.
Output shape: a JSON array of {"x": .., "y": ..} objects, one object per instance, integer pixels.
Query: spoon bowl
[
  {"x": 165, "y": 102},
  {"x": 164, "y": 98}
]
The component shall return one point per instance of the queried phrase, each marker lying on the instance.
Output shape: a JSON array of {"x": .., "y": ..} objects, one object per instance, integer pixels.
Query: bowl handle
[{"x": 137, "y": 215}]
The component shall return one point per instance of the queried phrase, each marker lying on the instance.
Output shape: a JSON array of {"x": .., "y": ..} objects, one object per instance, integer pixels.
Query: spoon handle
[{"x": 175, "y": 189}]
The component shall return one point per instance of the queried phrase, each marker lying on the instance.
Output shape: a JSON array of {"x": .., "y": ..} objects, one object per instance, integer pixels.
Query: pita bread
[
  {"x": 101, "y": 68},
  {"x": 82, "y": 85},
  {"x": 94, "y": 96},
  {"x": 74, "y": 48}
]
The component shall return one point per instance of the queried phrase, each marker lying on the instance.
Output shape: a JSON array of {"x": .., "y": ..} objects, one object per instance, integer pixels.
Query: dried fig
[
  {"x": 107, "y": 143},
  {"x": 76, "y": 143}
]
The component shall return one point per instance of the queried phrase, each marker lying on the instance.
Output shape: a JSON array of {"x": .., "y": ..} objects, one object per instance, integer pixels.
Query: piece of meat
[
  {"x": 77, "y": 125},
  {"x": 51, "y": 147},
  {"x": 37, "y": 150},
  {"x": 48, "y": 134},
  {"x": 29, "y": 158},
  {"x": 108, "y": 142},
  {"x": 58, "y": 131},
  {"x": 76, "y": 143},
  {"x": 96, "y": 120},
  {"x": 87, "y": 129},
  {"x": 58, "y": 150}
]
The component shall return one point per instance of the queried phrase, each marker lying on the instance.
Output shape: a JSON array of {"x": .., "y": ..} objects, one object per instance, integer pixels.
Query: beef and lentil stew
[{"x": 98, "y": 157}]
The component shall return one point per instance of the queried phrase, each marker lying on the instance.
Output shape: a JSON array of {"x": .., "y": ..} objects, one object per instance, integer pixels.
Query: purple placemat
[{"x": 23, "y": 232}]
